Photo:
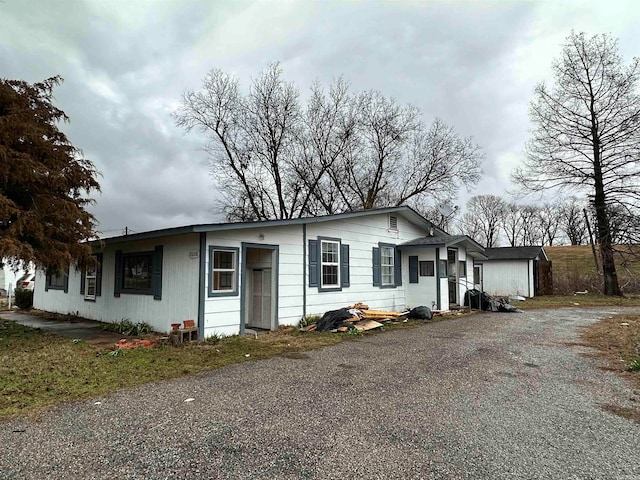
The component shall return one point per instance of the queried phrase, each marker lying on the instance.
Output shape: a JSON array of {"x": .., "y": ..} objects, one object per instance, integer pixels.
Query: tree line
[{"x": 496, "y": 222}]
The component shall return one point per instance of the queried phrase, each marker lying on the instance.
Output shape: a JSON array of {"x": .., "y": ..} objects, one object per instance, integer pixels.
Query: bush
[
  {"x": 127, "y": 327},
  {"x": 23, "y": 298}
]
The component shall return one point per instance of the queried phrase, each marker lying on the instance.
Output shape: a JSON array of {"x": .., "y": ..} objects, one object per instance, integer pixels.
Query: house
[
  {"x": 524, "y": 271},
  {"x": 233, "y": 276}
]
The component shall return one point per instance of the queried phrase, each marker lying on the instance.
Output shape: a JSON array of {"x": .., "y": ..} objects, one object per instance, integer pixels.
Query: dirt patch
[{"x": 617, "y": 342}]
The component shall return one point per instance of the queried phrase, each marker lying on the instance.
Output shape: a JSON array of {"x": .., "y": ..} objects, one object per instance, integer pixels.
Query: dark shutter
[
  {"x": 157, "y": 273},
  {"x": 344, "y": 266},
  {"x": 375, "y": 253},
  {"x": 117, "y": 284},
  {"x": 397, "y": 267},
  {"x": 66, "y": 280},
  {"x": 413, "y": 269},
  {"x": 313, "y": 263},
  {"x": 83, "y": 274},
  {"x": 47, "y": 281},
  {"x": 99, "y": 275}
]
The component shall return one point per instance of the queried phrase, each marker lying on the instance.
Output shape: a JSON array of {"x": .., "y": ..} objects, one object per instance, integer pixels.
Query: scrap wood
[
  {"x": 365, "y": 325},
  {"x": 376, "y": 314},
  {"x": 359, "y": 306}
]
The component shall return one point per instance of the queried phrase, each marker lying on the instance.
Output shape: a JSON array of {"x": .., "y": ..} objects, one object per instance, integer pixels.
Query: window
[
  {"x": 57, "y": 280},
  {"x": 427, "y": 268},
  {"x": 393, "y": 223},
  {"x": 223, "y": 271},
  {"x": 462, "y": 269},
  {"x": 91, "y": 280},
  {"x": 330, "y": 264},
  {"x": 443, "y": 269},
  {"x": 90, "y": 284},
  {"x": 387, "y": 265},
  {"x": 138, "y": 273}
]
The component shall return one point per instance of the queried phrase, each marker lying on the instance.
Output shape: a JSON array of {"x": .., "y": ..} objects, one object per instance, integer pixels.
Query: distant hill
[{"x": 574, "y": 268}]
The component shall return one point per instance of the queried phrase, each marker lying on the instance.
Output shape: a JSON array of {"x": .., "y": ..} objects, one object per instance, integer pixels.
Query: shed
[{"x": 524, "y": 271}]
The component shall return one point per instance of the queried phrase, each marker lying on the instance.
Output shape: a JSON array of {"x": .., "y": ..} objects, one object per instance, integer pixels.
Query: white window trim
[
  {"x": 224, "y": 270},
  {"x": 329, "y": 264},
  {"x": 90, "y": 275},
  {"x": 383, "y": 265}
]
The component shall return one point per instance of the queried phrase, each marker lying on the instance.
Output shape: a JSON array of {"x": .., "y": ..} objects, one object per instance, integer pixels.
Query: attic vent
[{"x": 393, "y": 223}]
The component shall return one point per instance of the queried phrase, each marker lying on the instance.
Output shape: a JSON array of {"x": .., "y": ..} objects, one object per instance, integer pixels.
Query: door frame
[{"x": 275, "y": 264}]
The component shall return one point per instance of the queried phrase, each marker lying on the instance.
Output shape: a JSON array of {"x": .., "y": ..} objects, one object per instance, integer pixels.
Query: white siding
[
  {"x": 362, "y": 234},
  {"x": 508, "y": 277},
  {"x": 179, "y": 288},
  {"x": 425, "y": 291}
]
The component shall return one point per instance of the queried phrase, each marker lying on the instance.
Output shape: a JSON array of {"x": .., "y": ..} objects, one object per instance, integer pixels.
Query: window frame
[
  {"x": 429, "y": 268},
  {"x": 64, "y": 276},
  {"x": 334, "y": 264},
  {"x": 137, "y": 291},
  {"x": 462, "y": 268},
  {"x": 90, "y": 274},
  {"x": 392, "y": 265},
  {"x": 234, "y": 291}
]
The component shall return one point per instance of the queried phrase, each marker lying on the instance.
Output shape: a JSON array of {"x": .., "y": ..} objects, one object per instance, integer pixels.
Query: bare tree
[
  {"x": 549, "y": 221},
  {"x": 586, "y": 134},
  {"x": 512, "y": 224},
  {"x": 572, "y": 221},
  {"x": 483, "y": 218},
  {"x": 272, "y": 157}
]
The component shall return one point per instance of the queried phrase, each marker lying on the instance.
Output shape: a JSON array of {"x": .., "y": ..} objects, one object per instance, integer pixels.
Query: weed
[
  {"x": 308, "y": 320},
  {"x": 214, "y": 338},
  {"x": 634, "y": 366},
  {"x": 127, "y": 327},
  {"x": 354, "y": 331}
]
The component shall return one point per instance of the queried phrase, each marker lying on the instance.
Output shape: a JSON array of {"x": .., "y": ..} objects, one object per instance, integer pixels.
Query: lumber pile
[{"x": 359, "y": 317}]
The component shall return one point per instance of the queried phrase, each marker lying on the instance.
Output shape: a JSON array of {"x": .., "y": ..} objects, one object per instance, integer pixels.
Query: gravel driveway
[{"x": 492, "y": 396}]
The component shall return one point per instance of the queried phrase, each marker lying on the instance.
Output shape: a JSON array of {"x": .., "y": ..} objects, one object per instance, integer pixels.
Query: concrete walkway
[{"x": 86, "y": 330}]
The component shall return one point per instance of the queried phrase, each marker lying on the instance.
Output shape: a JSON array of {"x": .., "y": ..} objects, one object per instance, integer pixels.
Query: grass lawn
[
  {"x": 39, "y": 370},
  {"x": 590, "y": 300},
  {"x": 617, "y": 340}
]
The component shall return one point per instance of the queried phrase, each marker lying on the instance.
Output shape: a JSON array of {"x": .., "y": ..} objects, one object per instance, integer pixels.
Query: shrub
[
  {"x": 24, "y": 298},
  {"x": 127, "y": 327}
]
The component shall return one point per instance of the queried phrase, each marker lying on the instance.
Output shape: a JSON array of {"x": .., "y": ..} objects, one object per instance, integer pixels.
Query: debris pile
[
  {"x": 360, "y": 317},
  {"x": 476, "y": 299}
]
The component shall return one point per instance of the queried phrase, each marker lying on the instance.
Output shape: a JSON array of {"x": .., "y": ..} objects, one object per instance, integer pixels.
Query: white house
[
  {"x": 524, "y": 271},
  {"x": 9, "y": 277},
  {"x": 233, "y": 276}
]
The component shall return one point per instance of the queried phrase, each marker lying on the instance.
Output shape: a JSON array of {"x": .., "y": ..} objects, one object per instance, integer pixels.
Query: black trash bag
[
  {"x": 421, "y": 313},
  {"x": 472, "y": 298},
  {"x": 334, "y": 319}
]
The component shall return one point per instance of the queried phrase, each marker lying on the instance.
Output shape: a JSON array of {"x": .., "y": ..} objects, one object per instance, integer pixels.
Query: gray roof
[
  {"x": 407, "y": 212},
  {"x": 442, "y": 239},
  {"x": 516, "y": 253}
]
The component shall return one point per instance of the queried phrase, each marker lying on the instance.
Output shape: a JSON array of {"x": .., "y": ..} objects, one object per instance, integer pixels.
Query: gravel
[{"x": 491, "y": 396}]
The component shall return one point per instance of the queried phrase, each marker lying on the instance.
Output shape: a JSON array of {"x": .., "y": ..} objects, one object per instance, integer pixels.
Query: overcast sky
[{"x": 126, "y": 64}]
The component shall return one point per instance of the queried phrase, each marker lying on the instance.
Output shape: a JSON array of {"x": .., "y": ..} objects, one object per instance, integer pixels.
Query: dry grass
[
  {"x": 590, "y": 300},
  {"x": 39, "y": 370},
  {"x": 574, "y": 268},
  {"x": 617, "y": 340}
]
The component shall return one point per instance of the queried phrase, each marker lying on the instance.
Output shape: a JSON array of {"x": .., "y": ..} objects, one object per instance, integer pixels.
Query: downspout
[
  {"x": 529, "y": 278},
  {"x": 304, "y": 270},
  {"x": 438, "y": 277},
  {"x": 201, "y": 283}
]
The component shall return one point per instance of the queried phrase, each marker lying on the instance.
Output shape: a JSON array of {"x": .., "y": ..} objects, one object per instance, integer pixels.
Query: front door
[
  {"x": 260, "y": 307},
  {"x": 452, "y": 268}
]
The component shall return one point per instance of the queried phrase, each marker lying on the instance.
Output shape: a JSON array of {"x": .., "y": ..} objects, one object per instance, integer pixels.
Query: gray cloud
[{"x": 126, "y": 64}]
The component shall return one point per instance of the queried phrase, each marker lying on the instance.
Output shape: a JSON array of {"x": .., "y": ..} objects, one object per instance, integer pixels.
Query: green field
[{"x": 574, "y": 268}]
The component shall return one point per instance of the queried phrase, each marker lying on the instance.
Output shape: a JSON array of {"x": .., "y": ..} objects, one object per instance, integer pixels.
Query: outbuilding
[{"x": 524, "y": 271}]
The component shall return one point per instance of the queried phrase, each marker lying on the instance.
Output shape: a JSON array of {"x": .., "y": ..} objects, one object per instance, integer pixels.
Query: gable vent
[{"x": 393, "y": 223}]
